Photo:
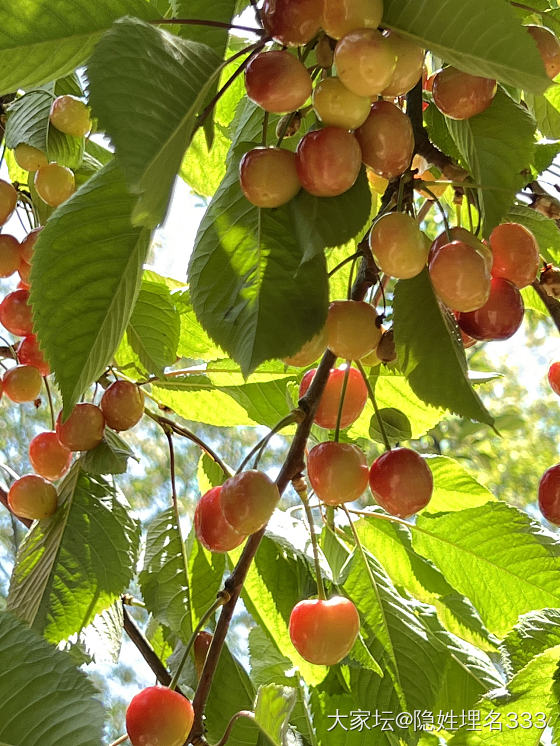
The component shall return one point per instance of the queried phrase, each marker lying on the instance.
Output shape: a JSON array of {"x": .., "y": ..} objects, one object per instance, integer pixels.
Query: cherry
[
  {"x": 386, "y": 139},
  {"x": 29, "y": 353},
  {"x": 24, "y": 272},
  {"x": 268, "y": 176},
  {"x": 401, "y": 482},
  {"x": 9, "y": 255},
  {"x": 459, "y": 95},
  {"x": 410, "y": 62},
  {"x": 158, "y": 716},
  {"x": 500, "y": 317},
  {"x": 516, "y": 254},
  {"x": 122, "y": 405},
  {"x": 338, "y": 472},
  {"x": 22, "y": 383},
  {"x": 48, "y": 456},
  {"x": 292, "y": 22},
  {"x": 460, "y": 276},
  {"x": 398, "y": 245},
  {"x": 549, "y": 494},
  {"x": 386, "y": 351},
  {"x": 201, "y": 646},
  {"x": 365, "y": 61},
  {"x": 32, "y": 497},
  {"x": 554, "y": 377},
  {"x": 310, "y": 350},
  {"x": 277, "y": 81},
  {"x": 342, "y": 16},
  {"x": 83, "y": 430},
  {"x": 29, "y": 158},
  {"x": 324, "y": 631},
  {"x": 465, "y": 338},
  {"x": 212, "y": 529},
  {"x": 461, "y": 234},
  {"x": 248, "y": 500},
  {"x": 27, "y": 246},
  {"x": 549, "y": 48},
  {"x": 336, "y": 106},
  {"x": 70, "y": 115},
  {"x": 54, "y": 184},
  {"x": 8, "y": 201},
  {"x": 328, "y": 161},
  {"x": 355, "y": 397},
  {"x": 351, "y": 329},
  {"x": 15, "y": 313}
]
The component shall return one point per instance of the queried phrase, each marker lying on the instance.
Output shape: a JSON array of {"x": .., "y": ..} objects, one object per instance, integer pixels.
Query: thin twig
[
  {"x": 373, "y": 399},
  {"x": 206, "y": 22},
  {"x": 241, "y": 714}
]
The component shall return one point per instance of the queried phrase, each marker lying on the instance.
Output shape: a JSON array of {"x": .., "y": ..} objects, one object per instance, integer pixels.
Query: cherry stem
[
  {"x": 344, "y": 262},
  {"x": 122, "y": 739},
  {"x": 49, "y": 397},
  {"x": 301, "y": 489},
  {"x": 238, "y": 715},
  {"x": 265, "y": 129},
  {"x": 205, "y": 22},
  {"x": 371, "y": 394},
  {"x": 441, "y": 209},
  {"x": 341, "y": 402},
  {"x": 295, "y": 416},
  {"x": 382, "y": 517}
]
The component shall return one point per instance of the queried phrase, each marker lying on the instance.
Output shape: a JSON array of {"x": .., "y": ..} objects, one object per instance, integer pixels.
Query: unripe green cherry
[
  {"x": 410, "y": 60},
  {"x": 29, "y": 158},
  {"x": 352, "y": 331},
  {"x": 365, "y": 61},
  {"x": 336, "y": 106},
  {"x": 70, "y": 115},
  {"x": 398, "y": 245},
  {"x": 54, "y": 184},
  {"x": 268, "y": 176}
]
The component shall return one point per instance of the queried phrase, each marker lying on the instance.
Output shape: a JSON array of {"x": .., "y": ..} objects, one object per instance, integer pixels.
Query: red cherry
[
  {"x": 9, "y": 255},
  {"x": 48, "y": 456},
  {"x": 32, "y": 497},
  {"x": 122, "y": 405},
  {"x": 292, "y": 22},
  {"x": 277, "y": 81},
  {"x": 158, "y": 716},
  {"x": 8, "y": 201},
  {"x": 401, "y": 482},
  {"x": 201, "y": 647},
  {"x": 328, "y": 161},
  {"x": 212, "y": 529},
  {"x": 22, "y": 383},
  {"x": 516, "y": 254},
  {"x": 554, "y": 377},
  {"x": 459, "y": 95},
  {"x": 248, "y": 500},
  {"x": 323, "y": 632},
  {"x": 386, "y": 139},
  {"x": 83, "y": 430},
  {"x": 268, "y": 176},
  {"x": 500, "y": 317},
  {"x": 338, "y": 472},
  {"x": 29, "y": 354},
  {"x": 28, "y": 244},
  {"x": 549, "y": 494},
  {"x": 355, "y": 397},
  {"x": 15, "y": 313}
]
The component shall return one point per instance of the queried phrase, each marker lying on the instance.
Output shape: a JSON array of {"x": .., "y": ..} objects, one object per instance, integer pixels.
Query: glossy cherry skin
[
  {"x": 342, "y": 16},
  {"x": 460, "y": 276},
  {"x": 29, "y": 158},
  {"x": 499, "y": 318},
  {"x": 122, "y": 405},
  {"x": 22, "y": 383},
  {"x": 324, "y": 632},
  {"x": 365, "y": 62},
  {"x": 70, "y": 115},
  {"x": 386, "y": 139},
  {"x": 27, "y": 246},
  {"x": 459, "y": 95},
  {"x": 48, "y": 456},
  {"x": 201, "y": 646},
  {"x": 549, "y": 494},
  {"x": 84, "y": 428},
  {"x": 15, "y": 313},
  {"x": 457, "y": 233},
  {"x": 212, "y": 529},
  {"x": 310, "y": 351},
  {"x": 355, "y": 397},
  {"x": 277, "y": 81},
  {"x": 328, "y": 161},
  {"x": 336, "y": 106},
  {"x": 158, "y": 716},
  {"x": 410, "y": 62},
  {"x": 352, "y": 331},
  {"x": 516, "y": 254},
  {"x": 338, "y": 472},
  {"x": 32, "y": 497},
  {"x": 54, "y": 184},
  {"x": 9, "y": 255},
  {"x": 549, "y": 48},
  {"x": 248, "y": 500},
  {"x": 29, "y": 354},
  {"x": 8, "y": 201},
  {"x": 292, "y": 22},
  {"x": 401, "y": 482},
  {"x": 554, "y": 377},
  {"x": 268, "y": 176},
  {"x": 398, "y": 245}
]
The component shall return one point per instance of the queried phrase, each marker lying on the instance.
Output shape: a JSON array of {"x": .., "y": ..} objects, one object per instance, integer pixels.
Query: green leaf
[
  {"x": 45, "y": 699},
  {"x": 41, "y": 40},
  {"x": 86, "y": 274},
  {"x": 109, "y": 457},
  {"x": 454, "y": 487},
  {"x": 208, "y": 474},
  {"x": 206, "y": 571},
  {"x": 193, "y": 341},
  {"x": 165, "y": 87},
  {"x": 534, "y": 634},
  {"x": 75, "y": 564},
  {"x": 430, "y": 354},
  {"x": 544, "y": 229},
  {"x": 204, "y": 169},
  {"x": 546, "y": 110},
  {"x": 477, "y": 36},
  {"x": 497, "y": 147},
  {"x": 273, "y": 707}
]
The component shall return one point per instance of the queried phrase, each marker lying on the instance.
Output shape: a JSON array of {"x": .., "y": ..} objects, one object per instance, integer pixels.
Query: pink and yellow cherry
[
  {"x": 201, "y": 646},
  {"x": 342, "y": 16},
  {"x": 336, "y": 106},
  {"x": 211, "y": 527},
  {"x": 277, "y": 81},
  {"x": 554, "y": 377},
  {"x": 500, "y": 317},
  {"x": 22, "y": 383},
  {"x": 460, "y": 276},
  {"x": 459, "y": 95},
  {"x": 32, "y": 497},
  {"x": 48, "y": 456},
  {"x": 549, "y": 494},
  {"x": 84, "y": 428},
  {"x": 324, "y": 631},
  {"x": 122, "y": 405},
  {"x": 410, "y": 62},
  {"x": 352, "y": 331},
  {"x": 386, "y": 139},
  {"x": 268, "y": 176},
  {"x": 398, "y": 245},
  {"x": 365, "y": 61},
  {"x": 292, "y": 22},
  {"x": 549, "y": 48},
  {"x": 8, "y": 201},
  {"x": 24, "y": 272},
  {"x": 27, "y": 246},
  {"x": 29, "y": 158},
  {"x": 338, "y": 472},
  {"x": 310, "y": 351},
  {"x": 158, "y": 716},
  {"x": 70, "y": 115},
  {"x": 9, "y": 255},
  {"x": 54, "y": 184},
  {"x": 15, "y": 313},
  {"x": 401, "y": 482},
  {"x": 355, "y": 397},
  {"x": 29, "y": 353},
  {"x": 328, "y": 161},
  {"x": 248, "y": 500},
  {"x": 516, "y": 254},
  {"x": 457, "y": 233}
]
